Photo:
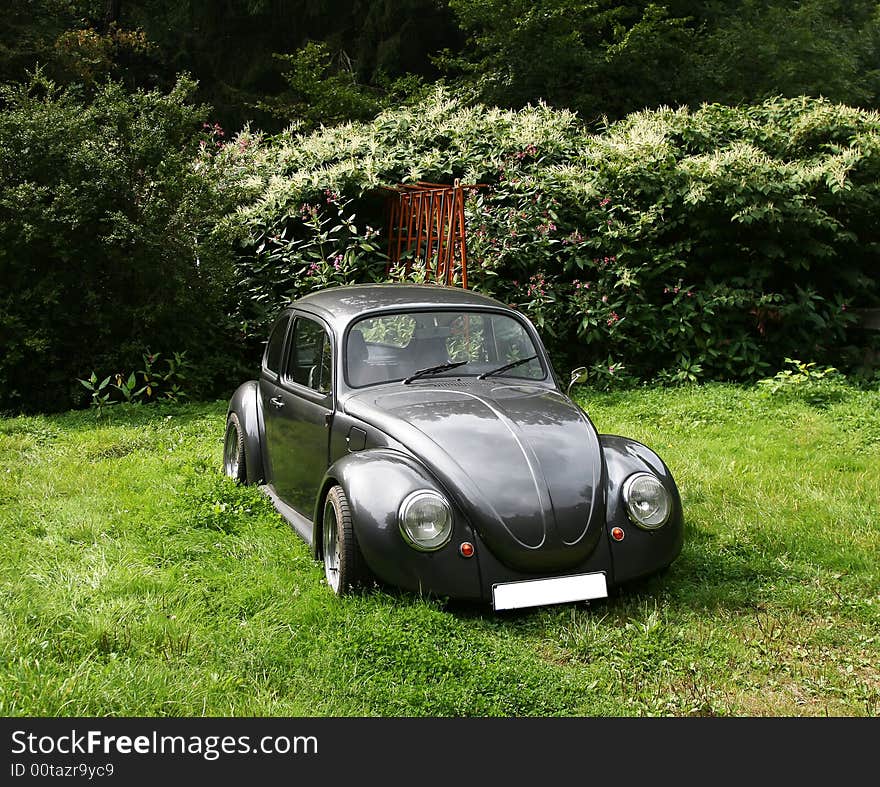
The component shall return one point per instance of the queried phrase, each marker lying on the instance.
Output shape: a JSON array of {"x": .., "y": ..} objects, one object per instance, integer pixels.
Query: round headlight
[
  {"x": 648, "y": 502},
  {"x": 425, "y": 520}
]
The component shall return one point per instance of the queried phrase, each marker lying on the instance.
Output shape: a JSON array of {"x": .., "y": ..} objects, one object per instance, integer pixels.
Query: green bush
[
  {"x": 106, "y": 208},
  {"x": 675, "y": 244}
]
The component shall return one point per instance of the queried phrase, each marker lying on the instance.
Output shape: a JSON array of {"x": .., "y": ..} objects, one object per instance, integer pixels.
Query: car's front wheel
[
  {"x": 233, "y": 450},
  {"x": 344, "y": 566}
]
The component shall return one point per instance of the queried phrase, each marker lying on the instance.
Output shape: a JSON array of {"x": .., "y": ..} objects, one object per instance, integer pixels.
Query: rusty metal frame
[{"x": 426, "y": 226}]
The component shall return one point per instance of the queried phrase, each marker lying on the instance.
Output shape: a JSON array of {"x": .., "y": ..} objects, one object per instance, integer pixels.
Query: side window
[
  {"x": 311, "y": 356},
  {"x": 272, "y": 356}
]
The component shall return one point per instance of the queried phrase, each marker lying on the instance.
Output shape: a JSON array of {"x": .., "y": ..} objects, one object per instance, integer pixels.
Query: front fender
[
  {"x": 375, "y": 482},
  {"x": 641, "y": 551},
  {"x": 245, "y": 403}
]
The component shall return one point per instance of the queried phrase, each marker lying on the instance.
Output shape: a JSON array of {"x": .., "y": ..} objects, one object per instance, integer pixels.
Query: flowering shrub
[
  {"x": 319, "y": 246},
  {"x": 674, "y": 245},
  {"x": 681, "y": 245}
]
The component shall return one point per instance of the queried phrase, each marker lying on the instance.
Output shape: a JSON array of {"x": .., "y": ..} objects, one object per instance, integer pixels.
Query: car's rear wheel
[
  {"x": 344, "y": 566},
  {"x": 233, "y": 450}
]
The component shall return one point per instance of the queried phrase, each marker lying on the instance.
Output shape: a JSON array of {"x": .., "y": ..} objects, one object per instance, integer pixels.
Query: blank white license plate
[{"x": 556, "y": 590}]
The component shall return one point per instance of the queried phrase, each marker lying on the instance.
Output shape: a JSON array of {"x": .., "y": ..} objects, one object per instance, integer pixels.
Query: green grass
[{"x": 136, "y": 580}]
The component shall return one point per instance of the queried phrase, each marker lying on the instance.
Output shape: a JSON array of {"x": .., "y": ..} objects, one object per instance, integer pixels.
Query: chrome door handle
[{"x": 277, "y": 402}]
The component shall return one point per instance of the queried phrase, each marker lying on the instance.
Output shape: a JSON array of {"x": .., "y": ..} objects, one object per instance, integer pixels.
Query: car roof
[{"x": 340, "y": 306}]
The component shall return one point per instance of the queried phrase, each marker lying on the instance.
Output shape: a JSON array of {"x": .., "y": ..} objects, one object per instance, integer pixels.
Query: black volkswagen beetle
[{"x": 418, "y": 435}]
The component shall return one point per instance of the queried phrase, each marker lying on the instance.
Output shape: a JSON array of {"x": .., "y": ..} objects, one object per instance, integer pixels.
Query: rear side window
[{"x": 272, "y": 358}]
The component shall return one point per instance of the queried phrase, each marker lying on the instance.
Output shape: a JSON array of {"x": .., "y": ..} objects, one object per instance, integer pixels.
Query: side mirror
[{"x": 578, "y": 375}]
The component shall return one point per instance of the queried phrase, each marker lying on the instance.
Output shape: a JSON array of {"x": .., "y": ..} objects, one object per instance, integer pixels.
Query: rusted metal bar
[
  {"x": 410, "y": 221},
  {"x": 420, "y": 224},
  {"x": 451, "y": 237},
  {"x": 397, "y": 227},
  {"x": 463, "y": 244},
  {"x": 393, "y": 209},
  {"x": 441, "y": 238}
]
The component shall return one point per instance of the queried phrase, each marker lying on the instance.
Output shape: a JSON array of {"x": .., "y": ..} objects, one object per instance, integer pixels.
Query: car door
[
  {"x": 270, "y": 387},
  {"x": 299, "y": 441}
]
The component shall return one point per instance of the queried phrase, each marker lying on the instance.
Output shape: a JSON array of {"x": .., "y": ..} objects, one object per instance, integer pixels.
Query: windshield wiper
[
  {"x": 506, "y": 366},
  {"x": 429, "y": 370}
]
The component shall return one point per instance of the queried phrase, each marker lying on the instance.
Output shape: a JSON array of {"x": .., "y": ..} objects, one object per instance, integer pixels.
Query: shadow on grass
[
  {"x": 120, "y": 415},
  {"x": 137, "y": 415},
  {"x": 705, "y": 577}
]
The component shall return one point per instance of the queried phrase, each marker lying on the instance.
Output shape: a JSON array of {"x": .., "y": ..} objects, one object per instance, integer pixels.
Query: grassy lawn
[{"x": 136, "y": 580}]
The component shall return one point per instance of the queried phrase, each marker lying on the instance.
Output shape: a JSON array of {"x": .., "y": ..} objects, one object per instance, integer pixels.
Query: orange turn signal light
[
  {"x": 466, "y": 549},
  {"x": 617, "y": 533}
]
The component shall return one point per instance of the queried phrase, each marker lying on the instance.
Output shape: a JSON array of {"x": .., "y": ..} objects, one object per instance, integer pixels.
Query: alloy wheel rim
[
  {"x": 231, "y": 457},
  {"x": 331, "y": 547}
]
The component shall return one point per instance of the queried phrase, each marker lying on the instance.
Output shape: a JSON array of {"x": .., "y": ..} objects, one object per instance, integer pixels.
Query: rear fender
[{"x": 245, "y": 403}]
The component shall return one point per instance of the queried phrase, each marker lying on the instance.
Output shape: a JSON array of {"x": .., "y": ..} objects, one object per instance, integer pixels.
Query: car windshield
[{"x": 407, "y": 346}]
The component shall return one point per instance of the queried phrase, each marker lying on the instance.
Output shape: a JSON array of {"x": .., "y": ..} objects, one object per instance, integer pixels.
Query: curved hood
[{"x": 522, "y": 462}]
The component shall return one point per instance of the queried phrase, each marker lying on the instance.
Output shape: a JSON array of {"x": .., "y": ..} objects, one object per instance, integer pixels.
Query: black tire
[
  {"x": 344, "y": 566},
  {"x": 233, "y": 450}
]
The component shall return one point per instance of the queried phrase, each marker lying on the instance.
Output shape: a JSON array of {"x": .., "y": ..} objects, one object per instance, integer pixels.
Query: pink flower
[{"x": 605, "y": 202}]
